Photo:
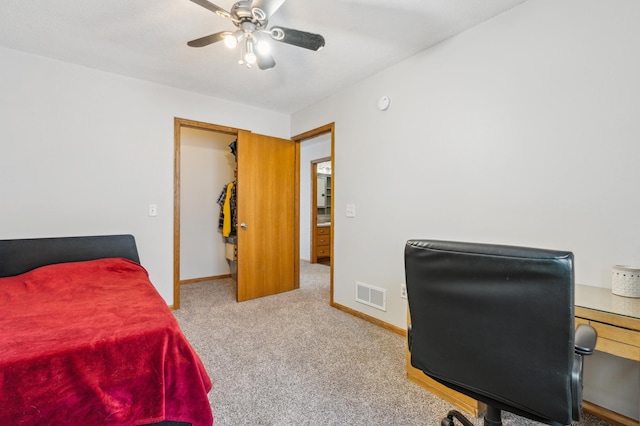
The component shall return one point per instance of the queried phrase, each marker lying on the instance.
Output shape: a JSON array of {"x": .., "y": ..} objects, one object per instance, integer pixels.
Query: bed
[{"x": 86, "y": 339}]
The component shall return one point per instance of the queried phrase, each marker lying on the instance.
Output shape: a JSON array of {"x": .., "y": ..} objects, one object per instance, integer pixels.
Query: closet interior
[
  {"x": 208, "y": 176},
  {"x": 228, "y": 217}
]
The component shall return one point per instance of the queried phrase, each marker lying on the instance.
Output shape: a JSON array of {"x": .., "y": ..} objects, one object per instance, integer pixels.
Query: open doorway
[
  {"x": 321, "y": 195},
  {"x": 315, "y": 146},
  {"x": 266, "y": 213},
  {"x": 208, "y": 166},
  {"x": 313, "y": 151},
  {"x": 202, "y": 139}
]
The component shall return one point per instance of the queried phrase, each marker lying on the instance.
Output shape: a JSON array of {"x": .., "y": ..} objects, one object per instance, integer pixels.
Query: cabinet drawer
[
  {"x": 323, "y": 230},
  {"x": 323, "y": 240},
  {"x": 323, "y": 251}
]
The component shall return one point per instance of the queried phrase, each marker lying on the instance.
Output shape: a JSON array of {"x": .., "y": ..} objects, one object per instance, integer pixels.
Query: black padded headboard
[{"x": 19, "y": 256}]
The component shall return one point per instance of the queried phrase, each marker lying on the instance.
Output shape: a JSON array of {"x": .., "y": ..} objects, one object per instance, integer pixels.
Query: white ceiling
[{"x": 147, "y": 40}]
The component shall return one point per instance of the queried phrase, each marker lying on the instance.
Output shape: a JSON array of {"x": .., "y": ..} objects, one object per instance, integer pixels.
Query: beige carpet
[{"x": 291, "y": 359}]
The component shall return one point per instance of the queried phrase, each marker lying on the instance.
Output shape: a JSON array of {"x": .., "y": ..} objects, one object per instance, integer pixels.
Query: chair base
[
  {"x": 448, "y": 421},
  {"x": 493, "y": 417}
]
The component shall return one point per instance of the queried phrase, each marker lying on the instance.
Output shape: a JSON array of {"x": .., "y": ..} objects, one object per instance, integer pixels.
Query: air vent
[{"x": 372, "y": 296}]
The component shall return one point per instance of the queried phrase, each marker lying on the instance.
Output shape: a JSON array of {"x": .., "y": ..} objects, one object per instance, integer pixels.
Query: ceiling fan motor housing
[{"x": 241, "y": 13}]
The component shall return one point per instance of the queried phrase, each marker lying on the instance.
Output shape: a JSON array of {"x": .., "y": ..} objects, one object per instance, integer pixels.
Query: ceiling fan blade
[
  {"x": 207, "y": 40},
  {"x": 212, "y": 7},
  {"x": 298, "y": 38},
  {"x": 265, "y": 61},
  {"x": 269, "y": 7}
]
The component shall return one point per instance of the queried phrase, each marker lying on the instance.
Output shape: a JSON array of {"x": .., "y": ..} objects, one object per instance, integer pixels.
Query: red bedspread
[{"x": 93, "y": 343}]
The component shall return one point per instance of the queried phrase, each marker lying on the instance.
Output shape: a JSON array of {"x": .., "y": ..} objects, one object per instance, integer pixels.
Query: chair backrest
[{"x": 494, "y": 322}]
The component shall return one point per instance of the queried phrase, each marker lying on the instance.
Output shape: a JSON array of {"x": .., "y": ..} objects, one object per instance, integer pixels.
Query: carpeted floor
[{"x": 291, "y": 359}]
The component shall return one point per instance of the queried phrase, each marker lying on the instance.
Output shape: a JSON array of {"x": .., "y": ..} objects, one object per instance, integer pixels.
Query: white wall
[
  {"x": 84, "y": 152},
  {"x": 523, "y": 130},
  {"x": 311, "y": 149},
  {"x": 207, "y": 166}
]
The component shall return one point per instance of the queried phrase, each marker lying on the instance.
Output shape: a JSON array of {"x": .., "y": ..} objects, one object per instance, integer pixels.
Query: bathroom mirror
[{"x": 323, "y": 191}]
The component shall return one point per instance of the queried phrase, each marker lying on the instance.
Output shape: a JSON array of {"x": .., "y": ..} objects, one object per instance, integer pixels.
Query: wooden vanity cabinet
[{"x": 322, "y": 243}]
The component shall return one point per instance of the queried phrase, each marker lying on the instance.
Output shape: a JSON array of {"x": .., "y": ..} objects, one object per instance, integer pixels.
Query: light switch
[
  {"x": 351, "y": 210},
  {"x": 153, "y": 209}
]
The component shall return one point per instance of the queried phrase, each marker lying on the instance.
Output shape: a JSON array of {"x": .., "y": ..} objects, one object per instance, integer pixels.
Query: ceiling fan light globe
[
  {"x": 230, "y": 41},
  {"x": 263, "y": 47},
  {"x": 250, "y": 58}
]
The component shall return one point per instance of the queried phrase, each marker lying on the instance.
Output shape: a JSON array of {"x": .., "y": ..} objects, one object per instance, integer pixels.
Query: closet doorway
[
  {"x": 266, "y": 216},
  {"x": 207, "y": 167}
]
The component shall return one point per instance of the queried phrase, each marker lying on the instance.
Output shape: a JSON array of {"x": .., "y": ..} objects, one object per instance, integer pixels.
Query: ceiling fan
[{"x": 251, "y": 18}]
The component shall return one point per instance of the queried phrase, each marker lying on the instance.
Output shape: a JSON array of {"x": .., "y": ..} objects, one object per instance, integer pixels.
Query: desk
[{"x": 617, "y": 321}]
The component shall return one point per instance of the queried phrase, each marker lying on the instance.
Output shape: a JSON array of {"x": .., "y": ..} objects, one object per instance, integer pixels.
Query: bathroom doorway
[{"x": 321, "y": 195}]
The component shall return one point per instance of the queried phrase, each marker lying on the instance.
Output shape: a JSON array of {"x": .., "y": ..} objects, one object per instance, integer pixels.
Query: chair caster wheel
[{"x": 447, "y": 421}]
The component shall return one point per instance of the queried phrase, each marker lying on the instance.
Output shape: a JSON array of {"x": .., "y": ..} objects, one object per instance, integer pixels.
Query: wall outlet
[{"x": 403, "y": 291}]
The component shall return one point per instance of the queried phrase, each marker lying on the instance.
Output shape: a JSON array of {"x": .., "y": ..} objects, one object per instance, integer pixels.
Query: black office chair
[{"x": 496, "y": 323}]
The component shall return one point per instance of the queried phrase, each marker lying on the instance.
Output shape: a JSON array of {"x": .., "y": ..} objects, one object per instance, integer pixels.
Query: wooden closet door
[{"x": 266, "y": 215}]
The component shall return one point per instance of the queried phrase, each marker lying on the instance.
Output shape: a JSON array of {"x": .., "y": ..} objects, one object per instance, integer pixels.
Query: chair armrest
[
  {"x": 584, "y": 344},
  {"x": 585, "y": 339}
]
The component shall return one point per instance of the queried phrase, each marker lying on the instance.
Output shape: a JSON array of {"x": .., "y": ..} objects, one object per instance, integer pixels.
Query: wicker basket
[{"x": 625, "y": 281}]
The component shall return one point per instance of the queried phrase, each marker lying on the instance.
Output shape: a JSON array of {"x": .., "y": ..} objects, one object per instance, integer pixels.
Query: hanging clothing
[
  {"x": 226, "y": 209},
  {"x": 227, "y": 201},
  {"x": 233, "y": 148}
]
